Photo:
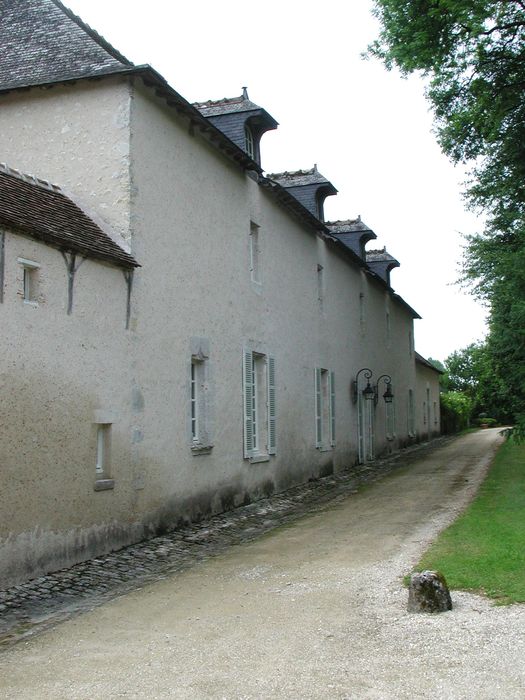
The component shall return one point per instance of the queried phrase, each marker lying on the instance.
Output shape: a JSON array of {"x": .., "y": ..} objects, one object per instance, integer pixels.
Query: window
[
  {"x": 260, "y": 436},
  {"x": 410, "y": 343},
  {"x": 103, "y": 422},
  {"x": 199, "y": 398},
  {"x": 324, "y": 408},
  {"x": 249, "y": 144},
  {"x": 255, "y": 263},
  {"x": 388, "y": 330},
  {"x": 103, "y": 450},
  {"x": 411, "y": 414},
  {"x": 29, "y": 280},
  {"x": 194, "y": 400},
  {"x": 320, "y": 286},
  {"x": 435, "y": 413},
  {"x": 362, "y": 312}
]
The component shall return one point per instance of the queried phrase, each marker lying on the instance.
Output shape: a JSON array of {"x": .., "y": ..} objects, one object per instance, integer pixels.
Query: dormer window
[{"x": 249, "y": 145}]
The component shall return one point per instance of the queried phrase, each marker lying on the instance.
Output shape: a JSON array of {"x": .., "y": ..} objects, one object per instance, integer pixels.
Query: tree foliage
[
  {"x": 473, "y": 54},
  {"x": 470, "y": 371}
]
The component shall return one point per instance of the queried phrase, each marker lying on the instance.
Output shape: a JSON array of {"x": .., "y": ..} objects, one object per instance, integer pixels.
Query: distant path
[{"x": 315, "y": 609}]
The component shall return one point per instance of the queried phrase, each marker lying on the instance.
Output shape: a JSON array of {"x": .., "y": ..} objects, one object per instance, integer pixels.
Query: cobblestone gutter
[{"x": 42, "y": 602}]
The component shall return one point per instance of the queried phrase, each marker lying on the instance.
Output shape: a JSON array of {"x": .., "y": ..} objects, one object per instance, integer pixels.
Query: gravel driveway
[{"x": 313, "y": 610}]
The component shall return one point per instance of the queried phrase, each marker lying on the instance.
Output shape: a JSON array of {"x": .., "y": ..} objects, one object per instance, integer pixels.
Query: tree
[
  {"x": 470, "y": 371},
  {"x": 473, "y": 54}
]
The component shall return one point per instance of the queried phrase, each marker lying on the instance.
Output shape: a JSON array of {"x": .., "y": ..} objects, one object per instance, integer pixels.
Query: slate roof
[
  {"x": 426, "y": 363},
  {"x": 380, "y": 256},
  {"x": 41, "y": 210},
  {"x": 227, "y": 105},
  {"x": 348, "y": 226},
  {"x": 299, "y": 178},
  {"x": 43, "y": 42}
]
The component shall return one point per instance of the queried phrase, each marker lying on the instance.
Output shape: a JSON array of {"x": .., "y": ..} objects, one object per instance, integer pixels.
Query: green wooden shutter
[
  {"x": 272, "y": 433},
  {"x": 247, "y": 381}
]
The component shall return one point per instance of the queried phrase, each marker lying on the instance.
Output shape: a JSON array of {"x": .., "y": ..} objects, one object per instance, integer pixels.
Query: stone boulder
[{"x": 428, "y": 592}]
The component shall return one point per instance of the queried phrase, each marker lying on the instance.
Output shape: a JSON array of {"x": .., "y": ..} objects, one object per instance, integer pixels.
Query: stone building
[{"x": 181, "y": 332}]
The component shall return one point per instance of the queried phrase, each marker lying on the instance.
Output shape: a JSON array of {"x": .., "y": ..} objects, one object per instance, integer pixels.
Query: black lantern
[
  {"x": 388, "y": 396},
  {"x": 368, "y": 392}
]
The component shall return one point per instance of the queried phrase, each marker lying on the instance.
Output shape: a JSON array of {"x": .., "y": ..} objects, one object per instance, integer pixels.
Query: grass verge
[{"x": 484, "y": 549}]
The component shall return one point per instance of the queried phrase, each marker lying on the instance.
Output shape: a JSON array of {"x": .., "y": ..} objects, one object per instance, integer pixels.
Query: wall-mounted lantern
[
  {"x": 388, "y": 395},
  {"x": 368, "y": 392}
]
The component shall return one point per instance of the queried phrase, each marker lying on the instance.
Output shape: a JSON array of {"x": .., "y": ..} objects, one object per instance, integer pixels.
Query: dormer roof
[
  {"x": 353, "y": 233},
  {"x": 308, "y": 186},
  {"x": 381, "y": 262},
  {"x": 43, "y": 42},
  {"x": 232, "y": 115},
  {"x": 41, "y": 210}
]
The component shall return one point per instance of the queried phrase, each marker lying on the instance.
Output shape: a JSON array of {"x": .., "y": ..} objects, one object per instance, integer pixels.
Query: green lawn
[{"x": 484, "y": 550}]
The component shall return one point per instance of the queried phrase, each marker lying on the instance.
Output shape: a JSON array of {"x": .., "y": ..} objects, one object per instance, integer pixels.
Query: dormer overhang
[
  {"x": 353, "y": 233},
  {"x": 309, "y": 187},
  {"x": 241, "y": 120},
  {"x": 381, "y": 263}
]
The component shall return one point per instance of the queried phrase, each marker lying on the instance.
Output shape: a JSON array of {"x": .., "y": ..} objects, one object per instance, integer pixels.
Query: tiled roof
[
  {"x": 227, "y": 105},
  {"x": 298, "y": 178},
  {"x": 41, "y": 210},
  {"x": 43, "y": 42}
]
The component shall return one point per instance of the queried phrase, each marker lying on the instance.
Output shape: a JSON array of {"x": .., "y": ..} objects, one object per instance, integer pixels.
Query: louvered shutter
[
  {"x": 272, "y": 433},
  {"x": 318, "y": 409},
  {"x": 332, "y": 409},
  {"x": 247, "y": 381}
]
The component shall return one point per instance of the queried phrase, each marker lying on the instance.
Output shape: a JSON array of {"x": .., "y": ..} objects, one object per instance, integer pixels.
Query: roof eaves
[
  {"x": 423, "y": 361},
  {"x": 403, "y": 303},
  {"x": 153, "y": 79},
  {"x": 174, "y": 99},
  {"x": 334, "y": 242},
  {"x": 287, "y": 200}
]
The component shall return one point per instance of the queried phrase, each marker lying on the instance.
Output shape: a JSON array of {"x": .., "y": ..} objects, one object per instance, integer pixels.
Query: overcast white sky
[{"x": 369, "y": 131}]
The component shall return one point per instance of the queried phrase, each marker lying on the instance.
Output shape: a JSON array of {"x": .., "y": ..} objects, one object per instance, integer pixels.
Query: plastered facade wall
[
  {"x": 428, "y": 418},
  {"x": 199, "y": 250},
  {"x": 187, "y": 214},
  {"x": 56, "y": 370},
  {"x": 76, "y": 136}
]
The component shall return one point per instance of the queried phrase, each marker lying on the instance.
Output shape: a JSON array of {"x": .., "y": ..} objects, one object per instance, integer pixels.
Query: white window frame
[
  {"x": 324, "y": 392},
  {"x": 29, "y": 281},
  {"x": 255, "y": 254},
  {"x": 259, "y": 405},
  {"x": 199, "y": 413},
  {"x": 103, "y": 420}
]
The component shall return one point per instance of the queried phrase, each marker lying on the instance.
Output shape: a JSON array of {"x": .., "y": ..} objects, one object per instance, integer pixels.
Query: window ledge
[
  {"x": 104, "y": 484},
  {"x": 198, "y": 449},
  {"x": 325, "y": 448},
  {"x": 259, "y": 458},
  {"x": 390, "y": 437}
]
